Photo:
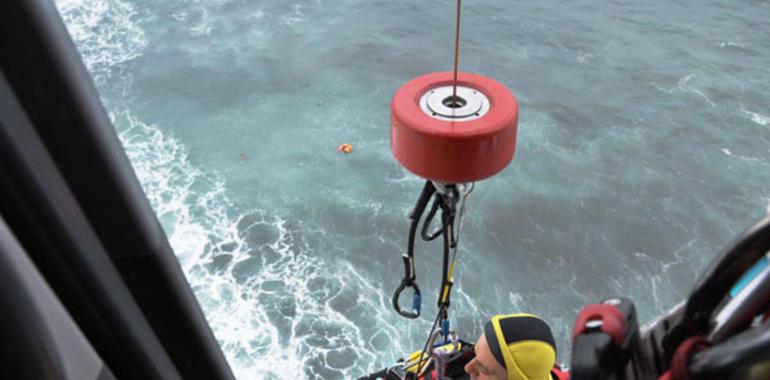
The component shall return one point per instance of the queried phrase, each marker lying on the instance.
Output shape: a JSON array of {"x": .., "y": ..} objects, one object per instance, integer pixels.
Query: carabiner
[{"x": 408, "y": 282}]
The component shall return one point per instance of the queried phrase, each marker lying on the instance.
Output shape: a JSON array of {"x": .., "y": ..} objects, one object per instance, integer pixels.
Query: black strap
[
  {"x": 447, "y": 202},
  {"x": 448, "y": 208},
  {"x": 429, "y": 220},
  {"x": 410, "y": 277}
]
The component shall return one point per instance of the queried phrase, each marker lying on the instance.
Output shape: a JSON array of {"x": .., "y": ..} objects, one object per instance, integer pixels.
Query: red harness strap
[
  {"x": 681, "y": 357},
  {"x": 558, "y": 374}
]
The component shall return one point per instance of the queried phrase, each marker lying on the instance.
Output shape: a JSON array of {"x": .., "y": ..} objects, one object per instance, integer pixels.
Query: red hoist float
[{"x": 449, "y": 141}]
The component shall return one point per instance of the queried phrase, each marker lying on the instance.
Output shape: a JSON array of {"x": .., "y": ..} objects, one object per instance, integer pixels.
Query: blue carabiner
[
  {"x": 445, "y": 328},
  {"x": 417, "y": 303}
]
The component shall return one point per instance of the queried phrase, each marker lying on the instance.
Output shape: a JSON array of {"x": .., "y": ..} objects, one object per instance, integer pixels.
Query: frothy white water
[
  {"x": 276, "y": 309},
  {"x": 724, "y": 44},
  {"x": 105, "y": 33},
  {"x": 686, "y": 85},
  {"x": 296, "y": 16},
  {"x": 758, "y": 118}
]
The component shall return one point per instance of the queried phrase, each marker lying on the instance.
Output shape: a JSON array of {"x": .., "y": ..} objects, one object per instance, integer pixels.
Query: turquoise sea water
[{"x": 643, "y": 149}]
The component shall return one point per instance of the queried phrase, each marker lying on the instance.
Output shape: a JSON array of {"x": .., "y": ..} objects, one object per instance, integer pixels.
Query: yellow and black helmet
[{"x": 523, "y": 344}]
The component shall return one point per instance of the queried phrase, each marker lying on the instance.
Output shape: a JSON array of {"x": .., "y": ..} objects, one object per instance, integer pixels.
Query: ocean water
[{"x": 643, "y": 148}]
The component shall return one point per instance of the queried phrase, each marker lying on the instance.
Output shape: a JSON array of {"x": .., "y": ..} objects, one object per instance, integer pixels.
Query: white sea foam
[
  {"x": 724, "y": 44},
  {"x": 754, "y": 161},
  {"x": 202, "y": 27},
  {"x": 277, "y": 311},
  {"x": 105, "y": 33},
  {"x": 584, "y": 57},
  {"x": 275, "y": 308},
  {"x": 758, "y": 118},
  {"x": 516, "y": 301},
  {"x": 685, "y": 85},
  {"x": 296, "y": 15}
]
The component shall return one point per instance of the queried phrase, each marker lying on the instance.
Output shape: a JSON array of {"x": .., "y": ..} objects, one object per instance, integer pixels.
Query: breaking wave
[{"x": 276, "y": 309}]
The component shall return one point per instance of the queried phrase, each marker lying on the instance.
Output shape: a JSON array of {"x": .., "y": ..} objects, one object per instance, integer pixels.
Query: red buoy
[{"x": 448, "y": 140}]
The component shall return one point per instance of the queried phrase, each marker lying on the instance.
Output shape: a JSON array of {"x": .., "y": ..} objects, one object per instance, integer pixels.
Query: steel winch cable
[{"x": 457, "y": 54}]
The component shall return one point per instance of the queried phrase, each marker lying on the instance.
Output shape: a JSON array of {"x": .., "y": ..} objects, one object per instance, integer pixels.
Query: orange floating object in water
[{"x": 345, "y": 148}]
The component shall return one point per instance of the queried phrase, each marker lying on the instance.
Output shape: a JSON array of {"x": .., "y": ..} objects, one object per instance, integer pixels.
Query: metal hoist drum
[{"x": 453, "y": 142}]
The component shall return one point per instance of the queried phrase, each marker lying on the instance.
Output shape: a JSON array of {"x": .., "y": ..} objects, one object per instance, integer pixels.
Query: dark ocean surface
[{"x": 643, "y": 148}]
